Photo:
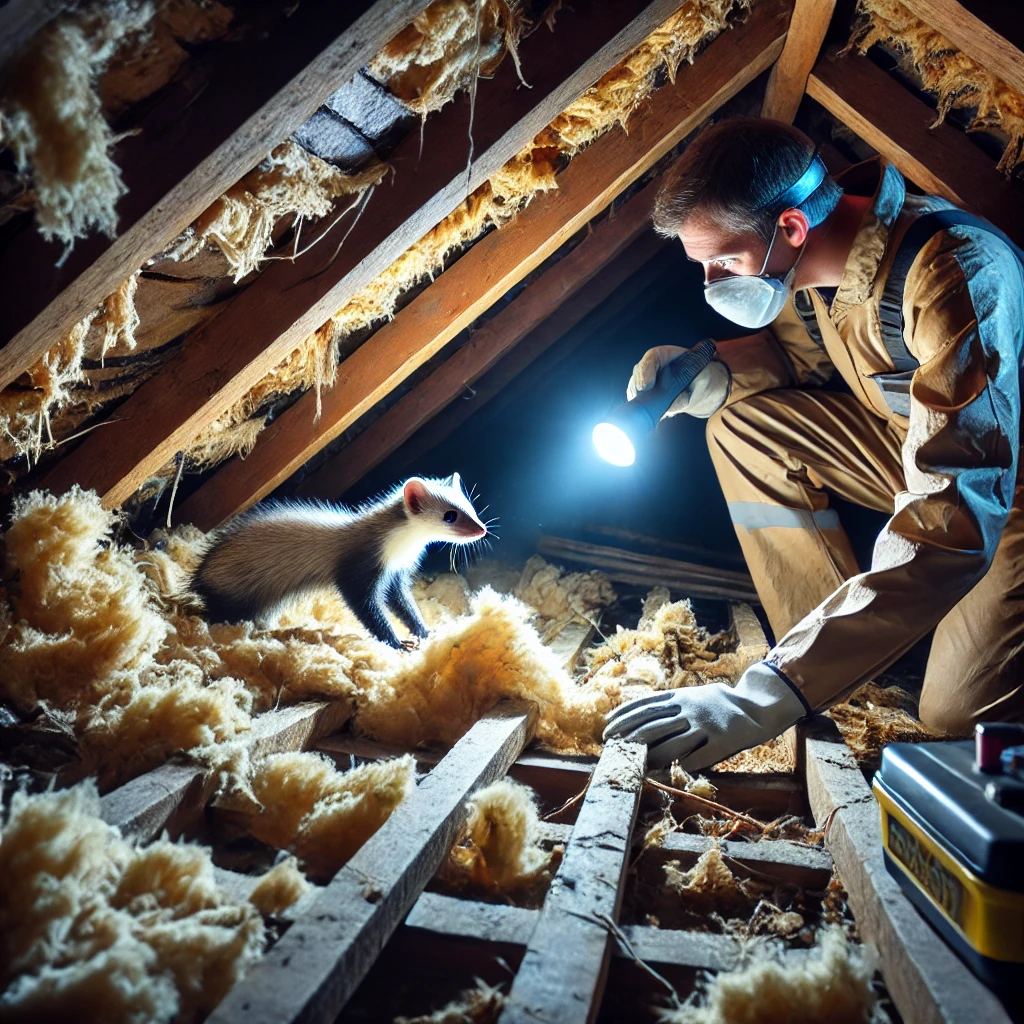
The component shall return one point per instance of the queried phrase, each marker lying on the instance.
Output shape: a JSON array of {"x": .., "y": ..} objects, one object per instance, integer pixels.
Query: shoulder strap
[{"x": 890, "y": 309}]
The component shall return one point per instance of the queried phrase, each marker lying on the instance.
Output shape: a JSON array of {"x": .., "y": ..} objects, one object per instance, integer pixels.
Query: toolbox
[{"x": 953, "y": 833}]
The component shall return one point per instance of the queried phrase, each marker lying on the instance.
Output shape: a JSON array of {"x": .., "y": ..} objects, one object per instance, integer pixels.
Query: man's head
[{"x": 722, "y": 197}]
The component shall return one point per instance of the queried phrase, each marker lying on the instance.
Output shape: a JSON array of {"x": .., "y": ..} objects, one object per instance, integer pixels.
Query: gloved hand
[
  {"x": 702, "y": 725},
  {"x": 707, "y": 393}
]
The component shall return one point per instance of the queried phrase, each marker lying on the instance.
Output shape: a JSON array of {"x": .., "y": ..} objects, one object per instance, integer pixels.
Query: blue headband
[{"x": 801, "y": 189}]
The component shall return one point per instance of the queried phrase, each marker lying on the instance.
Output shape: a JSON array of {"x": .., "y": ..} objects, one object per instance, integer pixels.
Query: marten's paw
[{"x": 411, "y": 643}]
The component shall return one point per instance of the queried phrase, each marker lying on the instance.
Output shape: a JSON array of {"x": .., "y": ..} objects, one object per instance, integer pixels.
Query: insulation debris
[
  {"x": 875, "y": 716},
  {"x": 290, "y": 181},
  {"x": 53, "y": 119},
  {"x": 94, "y": 928},
  {"x": 710, "y": 887},
  {"x": 667, "y": 651},
  {"x": 445, "y": 48},
  {"x": 300, "y": 802},
  {"x": 831, "y": 986},
  {"x": 103, "y": 632},
  {"x": 280, "y": 888},
  {"x": 480, "y": 1005},
  {"x": 27, "y": 411},
  {"x": 500, "y": 850},
  {"x": 560, "y": 597},
  {"x": 957, "y": 81}
]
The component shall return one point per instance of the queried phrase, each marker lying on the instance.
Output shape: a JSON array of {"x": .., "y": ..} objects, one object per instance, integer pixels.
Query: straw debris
[{"x": 957, "y": 81}]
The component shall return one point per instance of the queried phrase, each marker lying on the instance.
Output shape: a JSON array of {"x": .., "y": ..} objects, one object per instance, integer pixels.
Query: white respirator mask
[{"x": 755, "y": 301}]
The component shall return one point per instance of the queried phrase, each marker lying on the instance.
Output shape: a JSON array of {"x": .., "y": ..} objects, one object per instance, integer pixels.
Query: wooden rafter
[
  {"x": 495, "y": 263},
  {"x": 192, "y": 146},
  {"x": 229, "y": 355},
  {"x": 788, "y": 79},
  {"x": 900, "y": 126}
]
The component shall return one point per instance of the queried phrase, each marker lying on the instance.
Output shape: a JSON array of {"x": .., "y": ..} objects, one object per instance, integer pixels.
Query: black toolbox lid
[{"x": 939, "y": 786}]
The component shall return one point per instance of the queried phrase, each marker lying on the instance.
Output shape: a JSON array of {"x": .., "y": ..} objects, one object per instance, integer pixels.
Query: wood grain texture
[
  {"x": 191, "y": 148},
  {"x": 969, "y": 33},
  {"x": 229, "y": 355},
  {"x": 925, "y": 978},
  {"x": 310, "y": 973},
  {"x": 897, "y": 124},
  {"x": 788, "y": 79},
  {"x": 173, "y": 796},
  {"x": 491, "y": 267},
  {"x": 564, "y": 968}
]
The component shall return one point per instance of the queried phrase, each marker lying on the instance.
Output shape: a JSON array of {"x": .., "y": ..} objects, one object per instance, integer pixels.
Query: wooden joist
[
  {"x": 896, "y": 123},
  {"x": 205, "y": 133},
  {"x": 311, "y": 972},
  {"x": 544, "y": 303},
  {"x": 486, "y": 272},
  {"x": 613, "y": 289},
  {"x": 651, "y": 570},
  {"x": 173, "y": 796},
  {"x": 564, "y": 968},
  {"x": 927, "y": 981},
  {"x": 290, "y": 300},
  {"x": 788, "y": 79}
]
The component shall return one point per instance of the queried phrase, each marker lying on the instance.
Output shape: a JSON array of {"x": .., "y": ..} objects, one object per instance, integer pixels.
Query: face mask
[{"x": 752, "y": 302}]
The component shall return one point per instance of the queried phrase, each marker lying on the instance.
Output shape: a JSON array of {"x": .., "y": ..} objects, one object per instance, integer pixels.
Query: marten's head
[{"x": 442, "y": 509}]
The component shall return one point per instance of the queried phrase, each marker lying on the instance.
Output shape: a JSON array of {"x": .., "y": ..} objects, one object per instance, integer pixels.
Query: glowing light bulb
[{"x": 613, "y": 445}]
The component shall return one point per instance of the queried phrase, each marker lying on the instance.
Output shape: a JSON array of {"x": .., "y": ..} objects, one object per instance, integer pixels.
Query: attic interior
[{"x": 305, "y": 250}]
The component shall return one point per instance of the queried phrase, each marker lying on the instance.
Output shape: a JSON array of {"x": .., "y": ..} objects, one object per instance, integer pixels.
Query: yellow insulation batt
[
  {"x": 99, "y": 630},
  {"x": 95, "y": 928},
  {"x": 957, "y": 81},
  {"x": 831, "y": 986}
]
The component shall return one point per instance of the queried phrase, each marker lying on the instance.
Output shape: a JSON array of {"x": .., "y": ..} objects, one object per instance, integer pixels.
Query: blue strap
[{"x": 890, "y": 308}]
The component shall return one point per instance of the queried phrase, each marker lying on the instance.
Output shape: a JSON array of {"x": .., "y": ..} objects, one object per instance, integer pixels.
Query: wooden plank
[
  {"x": 566, "y": 961},
  {"x": 192, "y": 146},
  {"x": 897, "y": 124},
  {"x": 750, "y": 639},
  {"x": 486, "y": 272},
  {"x": 926, "y": 980},
  {"x": 650, "y": 570},
  {"x": 969, "y": 33},
  {"x": 317, "y": 965},
  {"x": 174, "y": 795},
  {"x": 573, "y": 640},
  {"x": 613, "y": 289},
  {"x": 788, "y": 80},
  {"x": 549, "y": 295},
  {"x": 263, "y": 325}
]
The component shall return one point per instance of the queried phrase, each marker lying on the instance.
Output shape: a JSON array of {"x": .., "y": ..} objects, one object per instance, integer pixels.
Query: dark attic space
[{"x": 510, "y": 511}]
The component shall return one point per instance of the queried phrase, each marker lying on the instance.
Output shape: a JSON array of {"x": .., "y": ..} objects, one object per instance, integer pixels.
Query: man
[{"x": 931, "y": 351}]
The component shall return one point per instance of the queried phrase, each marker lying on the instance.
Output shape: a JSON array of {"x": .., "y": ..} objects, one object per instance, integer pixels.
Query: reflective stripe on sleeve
[{"x": 758, "y": 515}]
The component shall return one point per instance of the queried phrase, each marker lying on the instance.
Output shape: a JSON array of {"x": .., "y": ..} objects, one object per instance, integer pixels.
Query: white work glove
[
  {"x": 707, "y": 393},
  {"x": 702, "y": 725}
]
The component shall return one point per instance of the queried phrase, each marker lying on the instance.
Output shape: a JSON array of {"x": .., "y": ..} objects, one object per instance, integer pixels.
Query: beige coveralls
[{"x": 952, "y": 555}]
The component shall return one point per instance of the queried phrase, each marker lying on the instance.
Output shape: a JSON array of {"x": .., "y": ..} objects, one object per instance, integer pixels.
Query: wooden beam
[
  {"x": 564, "y": 968},
  {"x": 925, "y": 978},
  {"x": 553, "y": 303},
  {"x": 496, "y": 263},
  {"x": 893, "y": 121},
  {"x": 979, "y": 40},
  {"x": 262, "y": 326},
  {"x": 610, "y": 291},
  {"x": 311, "y": 972},
  {"x": 193, "y": 145},
  {"x": 788, "y": 80},
  {"x": 630, "y": 567},
  {"x": 173, "y": 796}
]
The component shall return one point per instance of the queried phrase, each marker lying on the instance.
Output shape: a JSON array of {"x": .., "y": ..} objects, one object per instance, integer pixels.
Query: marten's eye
[{"x": 451, "y": 515}]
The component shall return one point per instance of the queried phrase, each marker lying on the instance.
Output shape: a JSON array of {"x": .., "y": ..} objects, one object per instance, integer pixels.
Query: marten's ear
[
  {"x": 455, "y": 481},
  {"x": 415, "y": 494}
]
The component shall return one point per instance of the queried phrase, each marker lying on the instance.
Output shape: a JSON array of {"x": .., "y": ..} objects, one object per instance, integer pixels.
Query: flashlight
[{"x": 617, "y": 437}]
